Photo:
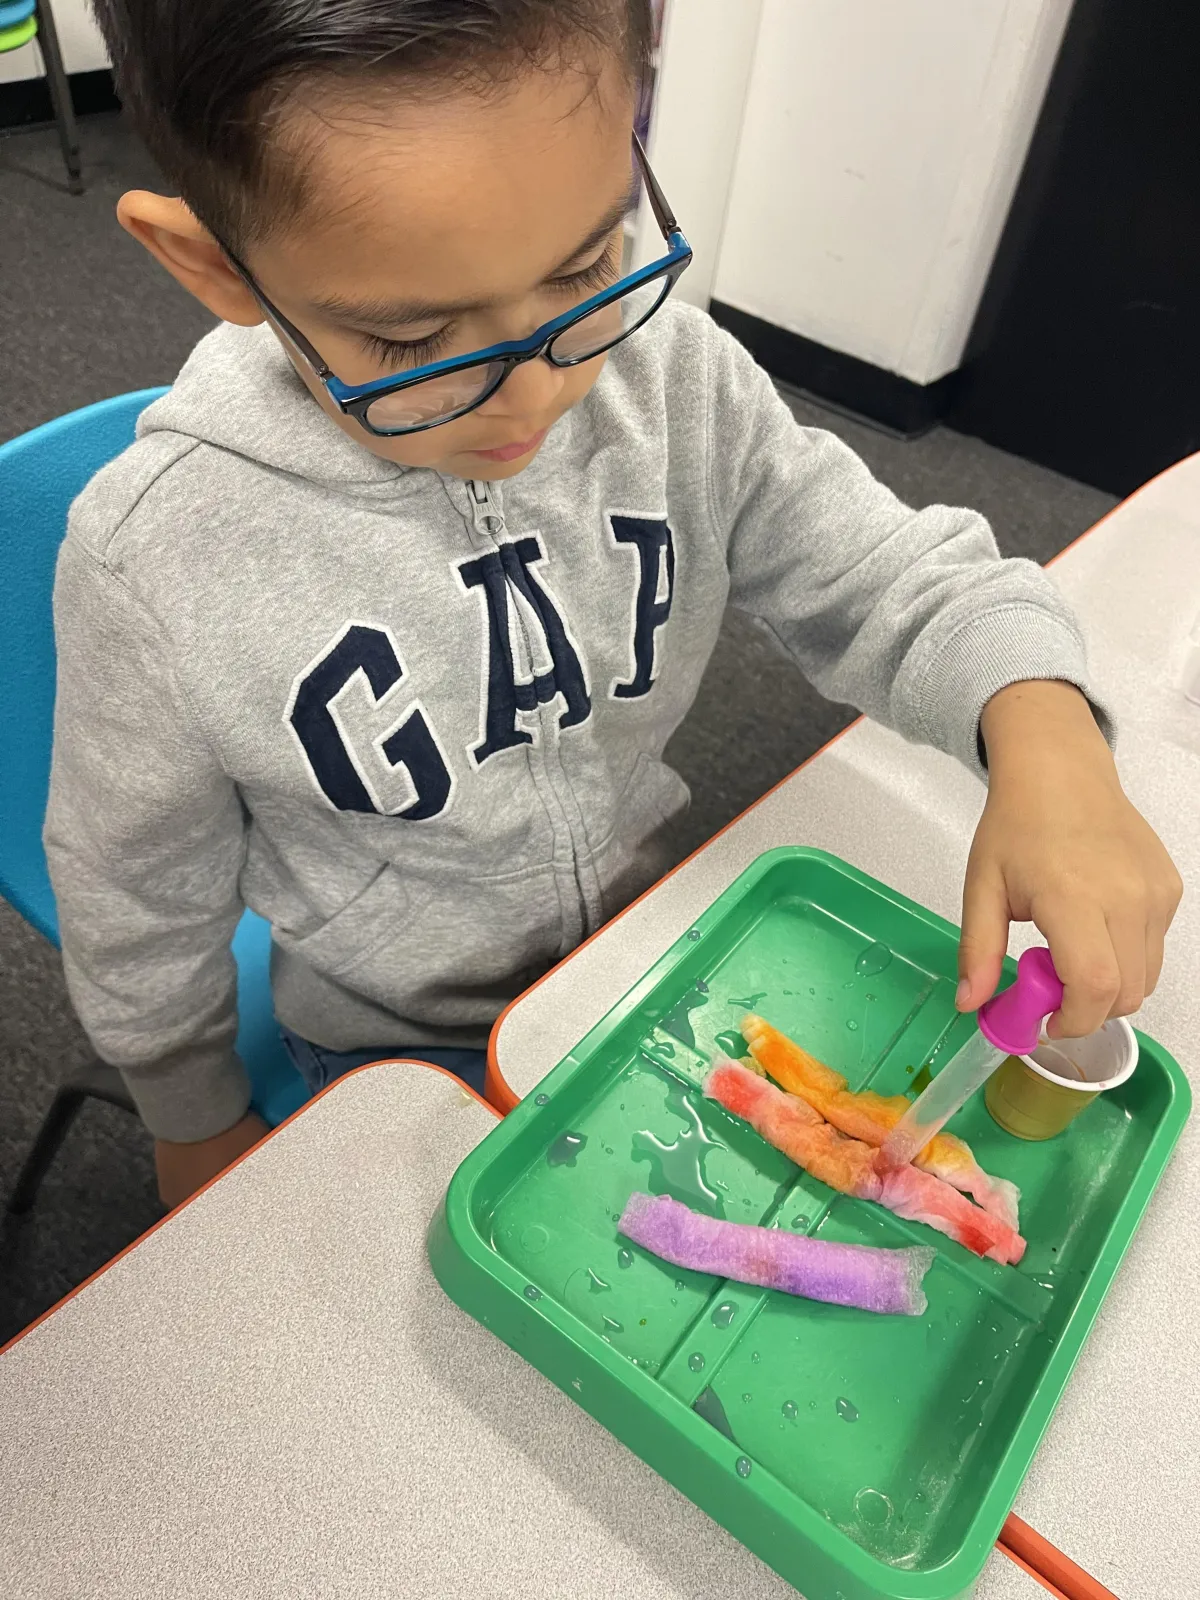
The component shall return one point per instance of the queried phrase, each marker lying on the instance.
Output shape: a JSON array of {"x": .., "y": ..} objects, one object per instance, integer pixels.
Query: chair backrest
[{"x": 40, "y": 474}]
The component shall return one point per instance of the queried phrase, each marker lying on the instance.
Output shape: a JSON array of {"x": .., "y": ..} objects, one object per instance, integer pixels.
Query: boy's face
[{"x": 437, "y": 227}]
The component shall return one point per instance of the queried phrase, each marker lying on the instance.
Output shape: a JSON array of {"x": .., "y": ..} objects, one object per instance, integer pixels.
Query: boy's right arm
[{"x": 145, "y": 837}]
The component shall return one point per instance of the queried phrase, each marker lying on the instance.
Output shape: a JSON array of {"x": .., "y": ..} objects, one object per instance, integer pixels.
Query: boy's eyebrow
[{"x": 396, "y": 313}]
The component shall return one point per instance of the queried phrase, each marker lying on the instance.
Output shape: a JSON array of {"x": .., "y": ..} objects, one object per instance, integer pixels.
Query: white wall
[
  {"x": 82, "y": 46},
  {"x": 704, "y": 71},
  {"x": 880, "y": 148}
]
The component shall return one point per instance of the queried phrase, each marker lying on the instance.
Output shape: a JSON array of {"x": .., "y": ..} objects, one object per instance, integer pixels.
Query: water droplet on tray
[
  {"x": 696, "y": 1361},
  {"x": 731, "y": 1042},
  {"x": 742, "y": 1466},
  {"x": 541, "y": 1099},
  {"x": 754, "y": 1356},
  {"x": 789, "y": 1410},
  {"x": 596, "y": 1283},
  {"x": 747, "y": 1397},
  {"x": 535, "y": 1238},
  {"x": 846, "y": 1409},
  {"x": 532, "y": 1292},
  {"x": 565, "y": 1149},
  {"x": 872, "y": 960},
  {"x": 873, "y": 1508},
  {"x": 678, "y": 1020},
  {"x": 707, "y": 1404},
  {"x": 678, "y": 1169},
  {"x": 724, "y": 1314},
  {"x": 852, "y": 1025},
  {"x": 576, "y": 1383},
  {"x": 624, "y": 1258},
  {"x": 611, "y": 1325},
  {"x": 750, "y": 1001},
  {"x": 800, "y": 1221},
  {"x": 693, "y": 934},
  {"x": 701, "y": 985}
]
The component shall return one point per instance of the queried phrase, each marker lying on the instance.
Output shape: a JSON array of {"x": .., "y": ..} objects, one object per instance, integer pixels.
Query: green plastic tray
[{"x": 863, "y": 1457}]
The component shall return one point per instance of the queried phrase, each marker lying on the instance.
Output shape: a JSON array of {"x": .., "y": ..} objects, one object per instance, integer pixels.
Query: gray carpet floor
[{"x": 84, "y": 313}]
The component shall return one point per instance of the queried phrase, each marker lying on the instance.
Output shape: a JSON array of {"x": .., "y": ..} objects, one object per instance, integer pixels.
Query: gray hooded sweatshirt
[{"x": 418, "y": 723}]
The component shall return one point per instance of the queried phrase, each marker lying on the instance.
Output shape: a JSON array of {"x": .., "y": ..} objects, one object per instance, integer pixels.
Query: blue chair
[{"x": 40, "y": 474}]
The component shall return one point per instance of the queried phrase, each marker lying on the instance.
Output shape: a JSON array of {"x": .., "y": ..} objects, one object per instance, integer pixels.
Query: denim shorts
[{"x": 319, "y": 1066}]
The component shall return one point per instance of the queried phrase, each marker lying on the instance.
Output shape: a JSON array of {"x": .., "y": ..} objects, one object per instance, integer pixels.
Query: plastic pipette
[{"x": 1009, "y": 1025}]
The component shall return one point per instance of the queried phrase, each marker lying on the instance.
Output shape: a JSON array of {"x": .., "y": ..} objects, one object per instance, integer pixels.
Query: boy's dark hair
[{"x": 204, "y": 80}]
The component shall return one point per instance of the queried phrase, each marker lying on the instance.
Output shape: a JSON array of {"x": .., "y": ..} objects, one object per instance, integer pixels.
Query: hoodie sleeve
[
  {"x": 144, "y": 837},
  {"x": 909, "y": 615}
]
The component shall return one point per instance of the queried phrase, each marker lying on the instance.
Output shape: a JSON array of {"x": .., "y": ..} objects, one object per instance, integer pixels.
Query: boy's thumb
[{"x": 984, "y": 941}]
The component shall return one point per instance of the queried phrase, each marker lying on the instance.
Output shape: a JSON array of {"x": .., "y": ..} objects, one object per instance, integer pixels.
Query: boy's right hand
[{"x": 184, "y": 1168}]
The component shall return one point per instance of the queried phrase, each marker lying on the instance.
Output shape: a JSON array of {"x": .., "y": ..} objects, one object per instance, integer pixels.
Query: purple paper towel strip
[{"x": 843, "y": 1274}]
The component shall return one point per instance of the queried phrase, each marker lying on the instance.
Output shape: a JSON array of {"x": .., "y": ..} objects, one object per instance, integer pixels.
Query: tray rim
[{"x": 453, "y": 1235}]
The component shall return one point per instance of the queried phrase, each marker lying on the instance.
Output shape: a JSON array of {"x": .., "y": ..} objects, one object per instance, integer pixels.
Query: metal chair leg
[
  {"x": 96, "y": 1081},
  {"x": 60, "y": 95}
]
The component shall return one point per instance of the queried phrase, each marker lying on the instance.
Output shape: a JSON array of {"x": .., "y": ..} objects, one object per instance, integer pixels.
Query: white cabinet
[{"x": 845, "y": 167}]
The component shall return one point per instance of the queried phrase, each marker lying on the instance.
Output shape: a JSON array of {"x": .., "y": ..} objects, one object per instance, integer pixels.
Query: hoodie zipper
[
  {"x": 491, "y": 529},
  {"x": 486, "y": 514}
]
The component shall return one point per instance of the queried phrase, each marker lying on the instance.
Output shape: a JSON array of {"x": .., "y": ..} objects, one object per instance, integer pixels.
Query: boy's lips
[{"x": 510, "y": 452}]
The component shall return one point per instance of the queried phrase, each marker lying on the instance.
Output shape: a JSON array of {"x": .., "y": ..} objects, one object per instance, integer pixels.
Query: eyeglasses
[{"x": 441, "y": 391}]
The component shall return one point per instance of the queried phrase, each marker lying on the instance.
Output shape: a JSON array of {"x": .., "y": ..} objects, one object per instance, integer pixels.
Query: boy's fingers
[
  {"x": 1085, "y": 960},
  {"x": 1128, "y": 936},
  {"x": 984, "y": 941}
]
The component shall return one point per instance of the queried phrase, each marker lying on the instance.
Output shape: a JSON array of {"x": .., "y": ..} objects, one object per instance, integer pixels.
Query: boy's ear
[{"x": 189, "y": 252}]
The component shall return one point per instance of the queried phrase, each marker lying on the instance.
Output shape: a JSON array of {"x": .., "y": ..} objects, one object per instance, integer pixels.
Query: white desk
[
  {"x": 1130, "y": 1420},
  {"x": 271, "y": 1397}
]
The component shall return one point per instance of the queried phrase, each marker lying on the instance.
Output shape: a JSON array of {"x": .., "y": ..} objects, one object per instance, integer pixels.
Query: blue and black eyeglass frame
[{"x": 441, "y": 391}]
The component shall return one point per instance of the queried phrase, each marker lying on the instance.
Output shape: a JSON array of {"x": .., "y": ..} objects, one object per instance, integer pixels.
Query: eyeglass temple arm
[
  {"x": 663, "y": 214},
  {"x": 307, "y": 350}
]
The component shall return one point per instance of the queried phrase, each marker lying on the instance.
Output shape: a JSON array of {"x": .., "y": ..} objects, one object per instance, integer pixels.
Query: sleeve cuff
[
  {"x": 1012, "y": 644},
  {"x": 190, "y": 1096}
]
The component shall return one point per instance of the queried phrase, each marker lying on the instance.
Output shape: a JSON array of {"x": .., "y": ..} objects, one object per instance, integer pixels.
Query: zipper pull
[{"x": 489, "y": 520}]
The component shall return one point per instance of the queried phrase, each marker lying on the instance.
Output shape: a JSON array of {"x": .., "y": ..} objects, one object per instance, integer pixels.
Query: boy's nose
[{"x": 531, "y": 389}]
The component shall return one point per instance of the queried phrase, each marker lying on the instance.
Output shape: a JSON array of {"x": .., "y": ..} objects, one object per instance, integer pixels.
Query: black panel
[
  {"x": 28, "y": 101},
  {"x": 841, "y": 380},
  {"x": 1085, "y": 354}
]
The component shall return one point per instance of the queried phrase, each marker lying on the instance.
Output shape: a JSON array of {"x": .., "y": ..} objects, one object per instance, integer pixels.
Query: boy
[{"x": 394, "y": 662}]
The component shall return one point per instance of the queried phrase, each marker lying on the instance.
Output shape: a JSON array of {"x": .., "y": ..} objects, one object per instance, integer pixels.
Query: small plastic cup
[{"x": 1038, "y": 1095}]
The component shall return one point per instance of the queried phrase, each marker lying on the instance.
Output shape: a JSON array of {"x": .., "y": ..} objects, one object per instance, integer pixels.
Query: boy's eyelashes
[
  {"x": 416, "y": 352},
  {"x": 406, "y": 352}
]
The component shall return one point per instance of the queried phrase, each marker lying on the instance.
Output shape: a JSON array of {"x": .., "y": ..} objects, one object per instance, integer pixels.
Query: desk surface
[
  {"x": 270, "y": 1396},
  {"x": 907, "y": 814}
]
